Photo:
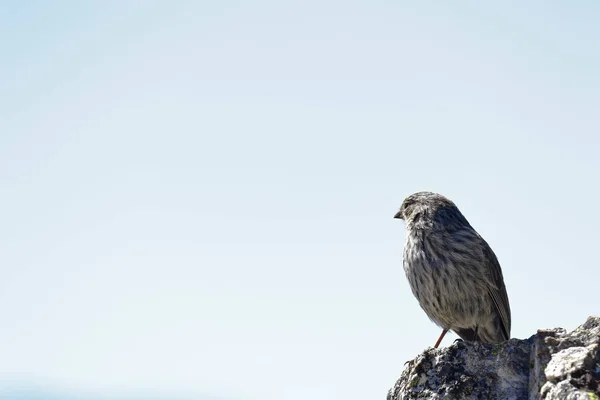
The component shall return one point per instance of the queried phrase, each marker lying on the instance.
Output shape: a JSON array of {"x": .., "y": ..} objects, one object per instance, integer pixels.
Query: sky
[{"x": 197, "y": 197}]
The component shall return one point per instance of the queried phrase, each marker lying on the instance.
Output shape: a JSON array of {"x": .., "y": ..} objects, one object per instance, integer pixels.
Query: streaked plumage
[{"x": 452, "y": 271}]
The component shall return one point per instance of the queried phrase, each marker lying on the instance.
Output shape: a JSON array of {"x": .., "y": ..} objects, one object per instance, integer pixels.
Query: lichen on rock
[{"x": 550, "y": 365}]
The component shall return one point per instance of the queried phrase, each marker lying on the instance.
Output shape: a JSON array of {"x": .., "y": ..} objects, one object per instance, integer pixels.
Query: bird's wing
[{"x": 497, "y": 289}]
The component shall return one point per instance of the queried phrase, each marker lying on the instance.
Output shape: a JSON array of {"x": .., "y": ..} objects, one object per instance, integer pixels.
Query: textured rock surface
[{"x": 550, "y": 365}]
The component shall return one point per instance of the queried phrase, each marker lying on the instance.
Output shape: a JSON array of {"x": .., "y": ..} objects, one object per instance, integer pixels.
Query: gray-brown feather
[{"x": 452, "y": 271}]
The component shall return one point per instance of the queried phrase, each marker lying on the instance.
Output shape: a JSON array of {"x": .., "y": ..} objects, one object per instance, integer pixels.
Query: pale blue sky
[{"x": 197, "y": 197}]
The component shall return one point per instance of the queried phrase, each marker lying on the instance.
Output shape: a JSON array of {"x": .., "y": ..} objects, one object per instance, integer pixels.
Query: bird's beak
[{"x": 398, "y": 215}]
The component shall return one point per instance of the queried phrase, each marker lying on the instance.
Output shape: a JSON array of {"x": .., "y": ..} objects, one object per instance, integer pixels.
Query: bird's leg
[{"x": 440, "y": 339}]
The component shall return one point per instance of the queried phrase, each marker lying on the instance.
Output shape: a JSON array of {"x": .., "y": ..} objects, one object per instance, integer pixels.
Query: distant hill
[{"x": 50, "y": 394}]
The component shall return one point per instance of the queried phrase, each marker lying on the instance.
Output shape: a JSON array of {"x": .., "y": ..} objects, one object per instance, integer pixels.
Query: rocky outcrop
[{"x": 550, "y": 365}]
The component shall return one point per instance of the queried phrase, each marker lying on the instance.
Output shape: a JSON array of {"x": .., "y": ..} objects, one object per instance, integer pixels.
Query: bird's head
[{"x": 429, "y": 207}]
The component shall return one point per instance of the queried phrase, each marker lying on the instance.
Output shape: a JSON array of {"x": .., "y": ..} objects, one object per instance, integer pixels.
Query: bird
[{"x": 452, "y": 271}]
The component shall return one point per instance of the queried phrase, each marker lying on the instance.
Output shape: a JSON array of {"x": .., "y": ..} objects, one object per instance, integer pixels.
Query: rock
[{"x": 550, "y": 365}]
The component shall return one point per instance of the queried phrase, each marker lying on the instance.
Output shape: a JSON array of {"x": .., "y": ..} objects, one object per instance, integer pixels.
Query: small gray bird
[{"x": 452, "y": 271}]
